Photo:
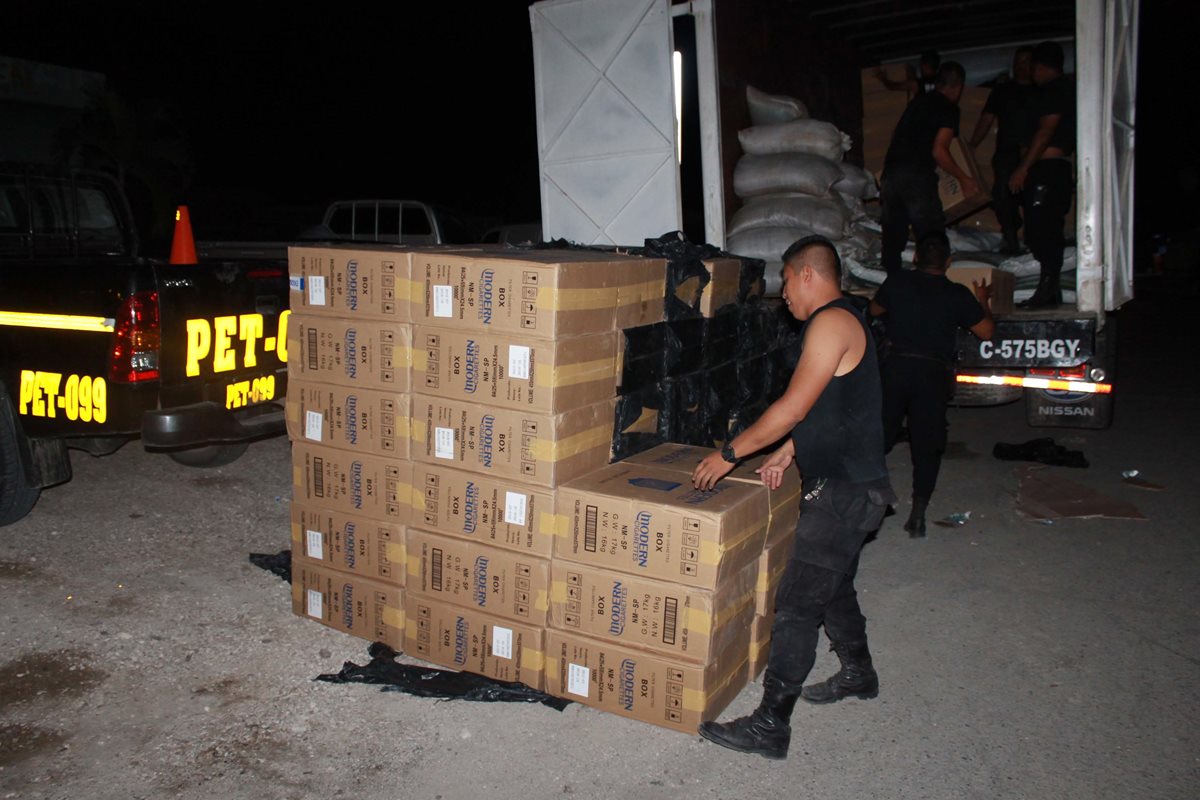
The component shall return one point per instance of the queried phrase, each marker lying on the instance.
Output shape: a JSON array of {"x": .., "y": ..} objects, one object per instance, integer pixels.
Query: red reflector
[
  {"x": 136, "y": 340},
  {"x": 265, "y": 272},
  {"x": 1049, "y": 373},
  {"x": 1073, "y": 373}
]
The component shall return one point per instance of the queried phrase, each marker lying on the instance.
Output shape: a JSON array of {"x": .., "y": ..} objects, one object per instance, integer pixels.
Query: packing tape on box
[
  {"x": 574, "y": 374},
  {"x": 395, "y": 552},
  {"x": 711, "y": 552},
  {"x": 533, "y": 659},
  {"x": 639, "y": 292},
  {"x": 697, "y": 699},
  {"x": 693, "y": 619},
  {"x": 414, "y": 565},
  {"x": 768, "y": 579},
  {"x": 393, "y": 617},
  {"x": 417, "y": 431},
  {"x": 551, "y": 450},
  {"x": 552, "y": 299},
  {"x": 554, "y": 524}
]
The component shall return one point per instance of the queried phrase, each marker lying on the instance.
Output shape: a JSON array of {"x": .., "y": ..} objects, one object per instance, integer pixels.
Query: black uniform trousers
[
  {"x": 918, "y": 388},
  {"x": 1046, "y": 201},
  {"x": 908, "y": 198},
  {"x": 1006, "y": 204},
  {"x": 817, "y": 588}
]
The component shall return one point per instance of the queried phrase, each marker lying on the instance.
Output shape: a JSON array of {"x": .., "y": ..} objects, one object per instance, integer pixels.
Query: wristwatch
[{"x": 728, "y": 454}]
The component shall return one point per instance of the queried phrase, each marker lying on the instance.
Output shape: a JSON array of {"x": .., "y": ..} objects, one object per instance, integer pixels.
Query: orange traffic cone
[{"x": 183, "y": 246}]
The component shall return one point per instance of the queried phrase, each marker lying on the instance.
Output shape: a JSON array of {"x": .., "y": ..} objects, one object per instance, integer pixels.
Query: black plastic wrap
[
  {"x": 393, "y": 676},
  {"x": 646, "y": 352},
  {"x": 639, "y": 421},
  {"x": 279, "y": 563},
  {"x": 685, "y": 405}
]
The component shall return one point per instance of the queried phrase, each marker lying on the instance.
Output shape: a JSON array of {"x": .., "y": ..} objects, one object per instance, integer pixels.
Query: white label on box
[
  {"x": 314, "y": 422},
  {"x": 296, "y": 283},
  {"x": 314, "y": 605},
  {"x": 518, "y": 361},
  {"x": 314, "y": 545},
  {"x": 316, "y": 290},
  {"x": 514, "y": 507},
  {"x": 443, "y": 442},
  {"x": 578, "y": 677},
  {"x": 443, "y": 301},
  {"x": 502, "y": 642}
]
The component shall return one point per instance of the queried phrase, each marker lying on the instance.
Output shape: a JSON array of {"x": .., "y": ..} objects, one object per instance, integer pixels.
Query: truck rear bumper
[{"x": 209, "y": 423}]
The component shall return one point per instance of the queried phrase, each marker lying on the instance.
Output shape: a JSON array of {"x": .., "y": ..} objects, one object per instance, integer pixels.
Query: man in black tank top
[{"x": 830, "y": 422}]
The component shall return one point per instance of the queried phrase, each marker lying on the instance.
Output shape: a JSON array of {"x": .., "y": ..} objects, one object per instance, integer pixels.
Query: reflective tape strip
[
  {"x": 1037, "y": 383},
  {"x": 63, "y": 322}
]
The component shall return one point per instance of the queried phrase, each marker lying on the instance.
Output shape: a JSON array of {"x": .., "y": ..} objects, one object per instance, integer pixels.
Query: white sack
[
  {"x": 766, "y": 109},
  {"x": 805, "y": 173},
  {"x": 797, "y": 136},
  {"x": 765, "y": 243},
  {"x": 857, "y": 182},
  {"x": 824, "y": 215}
]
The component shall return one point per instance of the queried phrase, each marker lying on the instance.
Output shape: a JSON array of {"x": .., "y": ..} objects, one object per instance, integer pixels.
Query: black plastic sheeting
[
  {"x": 1043, "y": 451},
  {"x": 394, "y": 676}
]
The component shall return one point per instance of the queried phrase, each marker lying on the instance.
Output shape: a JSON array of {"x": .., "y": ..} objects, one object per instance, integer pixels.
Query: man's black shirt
[
  {"x": 1057, "y": 97},
  {"x": 912, "y": 141},
  {"x": 1012, "y": 105},
  {"x": 924, "y": 312}
]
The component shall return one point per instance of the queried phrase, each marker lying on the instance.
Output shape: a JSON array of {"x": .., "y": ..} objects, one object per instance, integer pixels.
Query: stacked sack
[{"x": 793, "y": 181}]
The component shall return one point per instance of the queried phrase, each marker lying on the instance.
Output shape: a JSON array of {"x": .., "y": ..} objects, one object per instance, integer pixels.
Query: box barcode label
[
  {"x": 311, "y": 336},
  {"x": 313, "y": 604},
  {"x": 518, "y": 362},
  {"x": 318, "y": 477},
  {"x": 502, "y": 642},
  {"x": 435, "y": 569},
  {"x": 314, "y": 422},
  {"x": 443, "y": 442},
  {"x": 515, "y": 504},
  {"x": 316, "y": 290},
  {"x": 670, "y": 619},
  {"x": 443, "y": 301},
  {"x": 314, "y": 545},
  {"x": 589, "y": 529},
  {"x": 578, "y": 678}
]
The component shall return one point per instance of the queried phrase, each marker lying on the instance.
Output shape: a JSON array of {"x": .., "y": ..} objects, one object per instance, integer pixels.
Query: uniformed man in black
[
  {"x": 920, "y": 144},
  {"x": 922, "y": 311},
  {"x": 1045, "y": 177},
  {"x": 1009, "y": 107},
  {"x": 832, "y": 410}
]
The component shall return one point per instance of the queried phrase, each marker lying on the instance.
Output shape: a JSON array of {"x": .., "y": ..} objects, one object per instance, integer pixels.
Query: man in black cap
[{"x": 1045, "y": 177}]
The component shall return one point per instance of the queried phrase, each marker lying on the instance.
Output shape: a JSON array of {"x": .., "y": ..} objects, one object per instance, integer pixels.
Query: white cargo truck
[{"x": 639, "y": 103}]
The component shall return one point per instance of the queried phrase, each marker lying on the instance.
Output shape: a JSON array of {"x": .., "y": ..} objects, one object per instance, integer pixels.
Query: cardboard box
[
  {"x": 1003, "y": 284},
  {"x": 351, "y": 603},
  {"x": 723, "y": 286},
  {"x": 649, "y": 521},
  {"x": 783, "y": 503},
  {"x": 496, "y": 511},
  {"x": 771, "y": 566},
  {"x": 543, "y": 293},
  {"x": 361, "y": 280},
  {"x": 360, "y": 420},
  {"x": 520, "y": 372},
  {"x": 678, "y": 621},
  {"x": 515, "y": 586},
  {"x": 643, "y": 686},
  {"x": 463, "y": 639},
  {"x": 375, "y": 487},
  {"x": 350, "y": 352},
  {"x": 760, "y": 643},
  {"x": 349, "y": 543},
  {"x": 955, "y": 202},
  {"x": 542, "y": 449}
]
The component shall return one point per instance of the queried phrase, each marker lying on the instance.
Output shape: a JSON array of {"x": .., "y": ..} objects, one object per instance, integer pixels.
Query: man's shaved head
[{"x": 818, "y": 253}]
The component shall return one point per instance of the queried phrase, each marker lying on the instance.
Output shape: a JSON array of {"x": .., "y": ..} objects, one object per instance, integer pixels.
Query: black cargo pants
[{"x": 817, "y": 588}]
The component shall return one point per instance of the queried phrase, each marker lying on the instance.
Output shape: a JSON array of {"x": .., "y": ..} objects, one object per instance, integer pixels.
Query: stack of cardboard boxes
[{"x": 453, "y": 414}]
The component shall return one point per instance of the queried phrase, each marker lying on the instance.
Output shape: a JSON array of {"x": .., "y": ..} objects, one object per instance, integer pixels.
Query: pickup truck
[{"x": 100, "y": 345}]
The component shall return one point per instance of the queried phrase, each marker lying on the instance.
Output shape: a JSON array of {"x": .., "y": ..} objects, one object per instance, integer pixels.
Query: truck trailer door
[{"x": 605, "y": 120}]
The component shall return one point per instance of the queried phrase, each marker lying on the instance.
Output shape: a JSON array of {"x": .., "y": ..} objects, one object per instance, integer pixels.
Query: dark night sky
[{"x": 299, "y": 105}]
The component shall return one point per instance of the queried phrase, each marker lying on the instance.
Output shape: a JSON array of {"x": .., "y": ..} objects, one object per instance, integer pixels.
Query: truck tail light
[{"x": 136, "y": 340}]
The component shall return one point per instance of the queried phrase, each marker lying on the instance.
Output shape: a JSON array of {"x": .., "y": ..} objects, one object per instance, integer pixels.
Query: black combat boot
[
  {"x": 916, "y": 518},
  {"x": 1048, "y": 293},
  {"x": 765, "y": 732},
  {"x": 856, "y": 678}
]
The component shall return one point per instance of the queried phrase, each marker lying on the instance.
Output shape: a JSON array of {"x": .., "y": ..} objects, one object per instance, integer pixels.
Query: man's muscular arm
[{"x": 826, "y": 342}]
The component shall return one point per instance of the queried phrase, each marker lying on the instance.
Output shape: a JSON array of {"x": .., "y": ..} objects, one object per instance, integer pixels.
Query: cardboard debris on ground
[
  {"x": 1134, "y": 478},
  {"x": 1042, "y": 495}
]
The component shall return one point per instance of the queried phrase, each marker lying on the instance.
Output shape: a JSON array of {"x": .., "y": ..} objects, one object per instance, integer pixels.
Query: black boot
[
  {"x": 916, "y": 518},
  {"x": 1048, "y": 293},
  {"x": 765, "y": 732},
  {"x": 856, "y": 678}
]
